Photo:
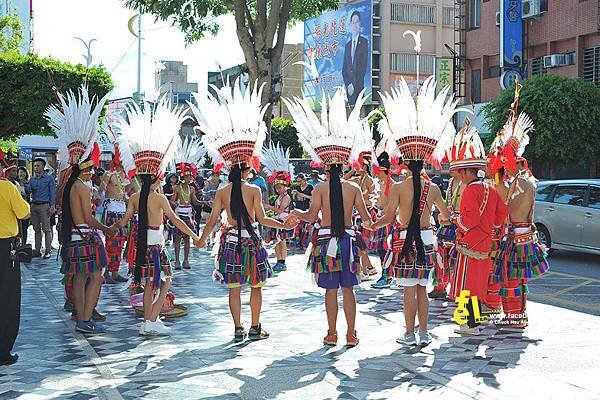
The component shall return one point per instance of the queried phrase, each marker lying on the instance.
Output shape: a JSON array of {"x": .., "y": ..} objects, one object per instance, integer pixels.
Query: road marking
[
  {"x": 552, "y": 273},
  {"x": 552, "y": 298},
  {"x": 566, "y": 290}
]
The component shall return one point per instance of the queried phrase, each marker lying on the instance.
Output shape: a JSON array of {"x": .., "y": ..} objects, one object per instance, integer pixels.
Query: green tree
[
  {"x": 566, "y": 116},
  {"x": 260, "y": 25},
  {"x": 284, "y": 133},
  {"x": 11, "y": 33},
  {"x": 374, "y": 121},
  {"x": 27, "y": 85}
]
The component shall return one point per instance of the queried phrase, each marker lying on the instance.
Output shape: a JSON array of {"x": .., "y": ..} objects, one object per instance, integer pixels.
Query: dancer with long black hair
[
  {"x": 422, "y": 130},
  {"x": 148, "y": 141},
  {"x": 234, "y": 133},
  {"x": 75, "y": 122},
  {"x": 335, "y": 261}
]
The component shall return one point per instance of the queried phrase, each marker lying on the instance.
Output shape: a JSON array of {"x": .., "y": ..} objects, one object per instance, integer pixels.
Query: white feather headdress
[
  {"x": 421, "y": 129},
  {"x": 516, "y": 133},
  {"x": 337, "y": 138},
  {"x": 75, "y": 122},
  {"x": 277, "y": 164},
  {"x": 467, "y": 150},
  {"x": 232, "y": 124},
  {"x": 189, "y": 153},
  {"x": 149, "y": 137}
]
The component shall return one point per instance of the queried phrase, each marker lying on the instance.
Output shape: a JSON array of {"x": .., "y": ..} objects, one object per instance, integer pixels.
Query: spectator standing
[
  {"x": 314, "y": 178},
  {"x": 23, "y": 177},
  {"x": 42, "y": 190},
  {"x": 12, "y": 208}
]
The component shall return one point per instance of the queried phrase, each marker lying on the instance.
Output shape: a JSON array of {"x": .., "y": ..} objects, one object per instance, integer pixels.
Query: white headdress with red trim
[
  {"x": 232, "y": 124},
  {"x": 75, "y": 122},
  {"x": 337, "y": 138},
  {"x": 189, "y": 153},
  {"x": 467, "y": 150},
  {"x": 421, "y": 129},
  {"x": 277, "y": 164},
  {"x": 149, "y": 137}
]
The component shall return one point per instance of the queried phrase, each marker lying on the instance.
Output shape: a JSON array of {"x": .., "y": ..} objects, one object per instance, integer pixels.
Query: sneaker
[
  {"x": 425, "y": 339},
  {"x": 466, "y": 331},
  {"x": 364, "y": 277},
  {"x": 89, "y": 327},
  {"x": 352, "y": 339},
  {"x": 108, "y": 280},
  {"x": 120, "y": 279},
  {"x": 239, "y": 335},
  {"x": 142, "y": 330},
  {"x": 278, "y": 267},
  {"x": 186, "y": 265},
  {"x": 68, "y": 307},
  {"x": 438, "y": 294},
  {"x": 177, "y": 266},
  {"x": 97, "y": 317},
  {"x": 9, "y": 359},
  {"x": 36, "y": 253},
  {"x": 382, "y": 283},
  {"x": 257, "y": 333},
  {"x": 157, "y": 328},
  {"x": 409, "y": 339},
  {"x": 372, "y": 271},
  {"x": 330, "y": 339},
  {"x": 47, "y": 255}
]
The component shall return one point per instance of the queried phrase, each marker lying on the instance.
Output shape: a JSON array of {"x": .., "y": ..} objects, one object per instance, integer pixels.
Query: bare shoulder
[
  {"x": 435, "y": 189},
  {"x": 352, "y": 184}
]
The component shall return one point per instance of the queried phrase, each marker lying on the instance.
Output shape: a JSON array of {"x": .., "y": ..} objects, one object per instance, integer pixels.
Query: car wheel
[{"x": 544, "y": 237}]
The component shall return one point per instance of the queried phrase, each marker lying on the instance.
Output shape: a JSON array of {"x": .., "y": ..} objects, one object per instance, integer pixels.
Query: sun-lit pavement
[{"x": 557, "y": 356}]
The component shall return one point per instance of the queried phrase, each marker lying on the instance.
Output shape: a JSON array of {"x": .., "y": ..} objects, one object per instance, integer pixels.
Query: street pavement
[{"x": 556, "y": 357}]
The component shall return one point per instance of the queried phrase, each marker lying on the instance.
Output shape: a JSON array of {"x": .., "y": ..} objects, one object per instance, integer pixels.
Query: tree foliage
[
  {"x": 284, "y": 133},
  {"x": 260, "y": 26},
  {"x": 566, "y": 116},
  {"x": 27, "y": 86},
  {"x": 11, "y": 33},
  {"x": 374, "y": 121}
]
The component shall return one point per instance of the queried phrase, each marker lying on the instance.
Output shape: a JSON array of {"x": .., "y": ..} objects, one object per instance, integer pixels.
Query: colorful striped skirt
[
  {"x": 333, "y": 256},
  {"x": 241, "y": 263},
  {"x": 408, "y": 266},
  {"x": 84, "y": 254},
  {"x": 158, "y": 267}
]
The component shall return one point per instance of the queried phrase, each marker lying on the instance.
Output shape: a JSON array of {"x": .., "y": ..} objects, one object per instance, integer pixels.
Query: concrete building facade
[
  {"x": 566, "y": 29},
  {"x": 172, "y": 81}
]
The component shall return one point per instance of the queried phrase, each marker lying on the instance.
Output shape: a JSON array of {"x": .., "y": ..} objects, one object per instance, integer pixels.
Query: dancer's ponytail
[
  {"x": 141, "y": 257},
  {"x": 238, "y": 208},
  {"x": 336, "y": 202},
  {"x": 413, "y": 232}
]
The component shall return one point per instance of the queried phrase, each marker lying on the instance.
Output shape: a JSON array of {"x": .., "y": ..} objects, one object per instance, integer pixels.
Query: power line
[{"x": 122, "y": 56}]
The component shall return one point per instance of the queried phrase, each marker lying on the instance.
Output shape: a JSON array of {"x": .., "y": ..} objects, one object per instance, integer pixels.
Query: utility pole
[{"x": 139, "y": 57}]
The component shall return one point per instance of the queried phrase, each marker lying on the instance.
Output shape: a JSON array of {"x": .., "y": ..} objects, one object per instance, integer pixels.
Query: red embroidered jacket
[{"x": 481, "y": 209}]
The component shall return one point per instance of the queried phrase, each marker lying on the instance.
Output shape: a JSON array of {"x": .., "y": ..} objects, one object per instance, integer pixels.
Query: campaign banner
[
  {"x": 511, "y": 34},
  {"x": 444, "y": 73},
  {"x": 338, "y": 44}
]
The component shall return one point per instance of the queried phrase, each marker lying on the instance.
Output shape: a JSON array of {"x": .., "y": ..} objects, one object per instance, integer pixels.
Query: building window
[
  {"x": 413, "y": 13},
  {"x": 476, "y": 86},
  {"x": 537, "y": 66},
  {"x": 474, "y": 8},
  {"x": 407, "y": 62},
  {"x": 448, "y": 15},
  {"x": 591, "y": 65},
  {"x": 494, "y": 71}
]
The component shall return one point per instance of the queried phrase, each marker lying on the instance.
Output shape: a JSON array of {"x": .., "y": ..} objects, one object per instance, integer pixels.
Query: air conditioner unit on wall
[
  {"x": 531, "y": 9},
  {"x": 556, "y": 60},
  {"x": 497, "y": 18}
]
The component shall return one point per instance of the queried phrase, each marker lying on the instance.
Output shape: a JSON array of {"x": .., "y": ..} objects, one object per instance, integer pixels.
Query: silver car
[{"x": 567, "y": 214}]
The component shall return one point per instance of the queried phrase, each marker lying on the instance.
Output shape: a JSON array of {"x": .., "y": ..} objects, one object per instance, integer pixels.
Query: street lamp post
[{"x": 88, "y": 47}]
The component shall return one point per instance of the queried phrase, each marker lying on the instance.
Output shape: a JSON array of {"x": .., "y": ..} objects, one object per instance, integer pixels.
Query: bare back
[
  {"x": 521, "y": 201},
  {"x": 114, "y": 187},
  {"x": 352, "y": 198},
  {"x": 249, "y": 196},
  {"x": 406, "y": 190},
  {"x": 156, "y": 204}
]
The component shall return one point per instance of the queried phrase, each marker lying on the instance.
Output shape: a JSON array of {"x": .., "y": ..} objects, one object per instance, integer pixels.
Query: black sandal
[
  {"x": 239, "y": 335},
  {"x": 257, "y": 333}
]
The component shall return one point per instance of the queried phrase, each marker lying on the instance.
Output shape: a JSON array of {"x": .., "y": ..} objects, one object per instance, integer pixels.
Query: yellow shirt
[{"x": 12, "y": 206}]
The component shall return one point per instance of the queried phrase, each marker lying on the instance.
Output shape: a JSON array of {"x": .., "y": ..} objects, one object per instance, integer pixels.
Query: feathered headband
[
  {"x": 149, "y": 137},
  {"x": 188, "y": 156},
  {"x": 421, "y": 129},
  {"x": 231, "y": 123},
  {"x": 337, "y": 138},
  {"x": 510, "y": 143},
  {"x": 467, "y": 150},
  {"x": 277, "y": 165},
  {"x": 75, "y": 122}
]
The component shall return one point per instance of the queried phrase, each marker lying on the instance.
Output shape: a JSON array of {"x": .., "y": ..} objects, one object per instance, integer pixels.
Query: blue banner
[
  {"x": 339, "y": 43},
  {"x": 25, "y": 154},
  {"x": 511, "y": 34}
]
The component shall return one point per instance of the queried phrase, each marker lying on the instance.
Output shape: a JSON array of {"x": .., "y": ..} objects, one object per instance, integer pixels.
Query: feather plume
[
  {"x": 275, "y": 160},
  {"x": 334, "y": 128},
  {"x": 428, "y": 120},
  {"x": 151, "y": 129},
  {"x": 189, "y": 151},
  {"x": 75, "y": 119},
  {"x": 229, "y": 116}
]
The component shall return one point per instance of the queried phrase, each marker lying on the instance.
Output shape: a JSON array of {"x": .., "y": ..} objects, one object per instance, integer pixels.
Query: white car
[{"x": 567, "y": 214}]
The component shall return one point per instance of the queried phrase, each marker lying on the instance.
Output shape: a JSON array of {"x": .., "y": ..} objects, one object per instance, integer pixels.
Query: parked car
[{"x": 567, "y": 214}]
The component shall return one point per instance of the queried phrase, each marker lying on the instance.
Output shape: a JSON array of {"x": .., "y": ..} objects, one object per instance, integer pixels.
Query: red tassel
[
  {"x": 132, "y": 173},
  {"x": 218, "y": 166},
  {"x": 95, "y": 156},
  {"x": 255, "y": 163}
]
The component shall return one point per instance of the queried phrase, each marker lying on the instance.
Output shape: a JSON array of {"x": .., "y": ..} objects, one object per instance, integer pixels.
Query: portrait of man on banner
[{"x": 356, "y": 57}]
